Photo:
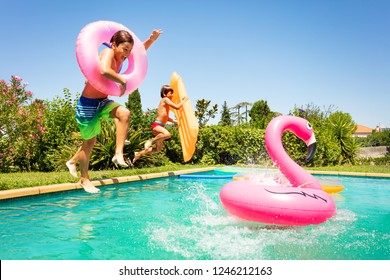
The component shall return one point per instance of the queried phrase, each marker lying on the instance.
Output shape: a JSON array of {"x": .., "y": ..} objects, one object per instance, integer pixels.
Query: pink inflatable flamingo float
[{"x": 301, "y": 204}]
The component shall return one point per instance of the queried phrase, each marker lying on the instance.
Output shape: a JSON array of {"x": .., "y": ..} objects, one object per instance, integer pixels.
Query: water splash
[{"x": 211, "y": 233}]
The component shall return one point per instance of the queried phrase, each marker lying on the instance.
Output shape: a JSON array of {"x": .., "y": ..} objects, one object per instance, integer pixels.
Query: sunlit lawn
[{"x": 356, "y": 168}]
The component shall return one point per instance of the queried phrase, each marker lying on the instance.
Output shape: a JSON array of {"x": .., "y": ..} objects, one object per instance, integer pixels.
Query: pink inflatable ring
[{"x": 90, "y": 38}]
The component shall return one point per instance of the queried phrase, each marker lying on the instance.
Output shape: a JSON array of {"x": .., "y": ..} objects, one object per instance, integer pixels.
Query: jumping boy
[{"x": 158, "y": 126}]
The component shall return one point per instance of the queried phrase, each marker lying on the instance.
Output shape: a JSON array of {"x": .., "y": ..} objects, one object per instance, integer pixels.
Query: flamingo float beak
[
  {"x": 311, "y": 147},
  {"x": 311, "y": 150}
]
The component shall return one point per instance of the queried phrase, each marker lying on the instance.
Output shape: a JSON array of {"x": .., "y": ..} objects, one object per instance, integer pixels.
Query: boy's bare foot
[
  {"x": 136, "y": 156},
  {"x": 89, "y": 187},
  {"x": 148, "y": 144},
  {"x": 72, "y": 168},
  {"x": 118, "y": 160}
]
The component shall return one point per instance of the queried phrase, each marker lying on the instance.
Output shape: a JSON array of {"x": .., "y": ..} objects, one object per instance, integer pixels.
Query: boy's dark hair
[
  {"x": 165, "y": 89},
  {"x": 121, "y": 36}
]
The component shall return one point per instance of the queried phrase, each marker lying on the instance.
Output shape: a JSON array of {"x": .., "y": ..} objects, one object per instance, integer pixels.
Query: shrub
[{"x": 21, "y": 127}]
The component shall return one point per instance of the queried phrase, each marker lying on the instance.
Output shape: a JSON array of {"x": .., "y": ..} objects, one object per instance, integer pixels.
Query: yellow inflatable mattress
[{"x": 185, "y": 116}]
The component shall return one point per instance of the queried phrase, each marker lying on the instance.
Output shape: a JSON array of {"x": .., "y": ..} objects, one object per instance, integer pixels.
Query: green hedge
[{"x": 239, "y": 144}]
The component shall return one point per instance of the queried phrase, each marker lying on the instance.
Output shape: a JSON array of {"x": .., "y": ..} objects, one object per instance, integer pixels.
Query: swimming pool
[{"x": 182, "y": 219}]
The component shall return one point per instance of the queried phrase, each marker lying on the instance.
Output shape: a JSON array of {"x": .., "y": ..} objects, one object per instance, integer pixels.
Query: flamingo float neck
[{"x": 273, "y": 142}]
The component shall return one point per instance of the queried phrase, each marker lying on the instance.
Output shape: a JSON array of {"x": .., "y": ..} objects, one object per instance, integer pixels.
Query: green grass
[
  {"x": 33, "y": 179},
  {"x": 356, "y": 168}
]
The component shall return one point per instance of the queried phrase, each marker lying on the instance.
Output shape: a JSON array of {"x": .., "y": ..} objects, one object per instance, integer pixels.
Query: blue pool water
[{"x": 176, "y": 219}]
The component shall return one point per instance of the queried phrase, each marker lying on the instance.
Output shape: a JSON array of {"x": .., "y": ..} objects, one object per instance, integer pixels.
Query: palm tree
[
  {"x": 239, "y": 115},
  {"x": 343, "y": 127}
]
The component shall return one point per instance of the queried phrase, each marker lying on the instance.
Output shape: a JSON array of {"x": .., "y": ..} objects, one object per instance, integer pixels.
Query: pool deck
[{"x": 7, "y": 194}]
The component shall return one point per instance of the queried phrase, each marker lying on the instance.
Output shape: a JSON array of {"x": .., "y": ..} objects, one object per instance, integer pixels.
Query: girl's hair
[
  {"x": 120, "y": 37},
  {"x": 165, "y": 89}
]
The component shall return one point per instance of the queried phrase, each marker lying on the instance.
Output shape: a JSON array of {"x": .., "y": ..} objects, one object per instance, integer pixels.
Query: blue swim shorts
[{"x": 89, "y": 111}]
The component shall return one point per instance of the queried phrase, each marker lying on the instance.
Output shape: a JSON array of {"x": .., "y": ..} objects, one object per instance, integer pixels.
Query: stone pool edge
[{"x": 14, "y": 193}]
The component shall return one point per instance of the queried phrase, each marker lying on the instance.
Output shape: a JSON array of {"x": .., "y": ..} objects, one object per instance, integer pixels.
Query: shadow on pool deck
[{"x": 7, "y": 194}]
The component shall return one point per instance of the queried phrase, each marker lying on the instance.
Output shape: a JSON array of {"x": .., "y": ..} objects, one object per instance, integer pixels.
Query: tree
[
  {"x": 238, "y": 115},
  {"x": 260, "y": 114},
  {"x": 135, "y": 106},
  {"x": 343, "y": 127},
  {"x": 21, "y": 126},
  {"x": 225, "y": 116},
  {"x": 246, "y": 112},
  {"x": 203, "y": 113}
]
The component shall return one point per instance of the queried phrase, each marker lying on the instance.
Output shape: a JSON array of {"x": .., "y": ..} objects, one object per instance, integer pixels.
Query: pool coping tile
[{"x": 7, "y": 194}]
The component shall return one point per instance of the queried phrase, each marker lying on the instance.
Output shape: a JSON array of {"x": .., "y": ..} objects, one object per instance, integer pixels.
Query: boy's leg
[
  {"x": 84, "y": 155},
  {"x": 122, "y": 119},
  {"x": 159, "y": 145},
  {"x": 71, "y": 164},
  {"x": 139, "y": 154},
  {"x": 161, "y": 134}
]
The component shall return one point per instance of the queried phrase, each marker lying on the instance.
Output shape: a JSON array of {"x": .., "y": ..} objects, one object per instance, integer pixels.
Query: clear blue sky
[{"x": 321, "y": 52}]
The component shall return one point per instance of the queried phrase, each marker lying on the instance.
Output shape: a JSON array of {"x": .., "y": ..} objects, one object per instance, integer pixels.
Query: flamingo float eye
[{"x": 309, "y": 127}]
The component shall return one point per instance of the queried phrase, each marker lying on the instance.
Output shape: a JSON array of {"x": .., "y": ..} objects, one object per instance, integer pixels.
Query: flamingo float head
[{"x": 273, "y": 141}]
